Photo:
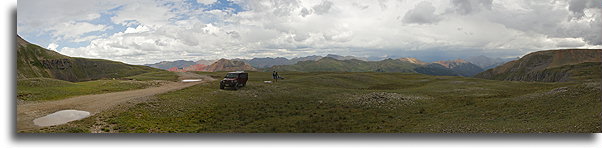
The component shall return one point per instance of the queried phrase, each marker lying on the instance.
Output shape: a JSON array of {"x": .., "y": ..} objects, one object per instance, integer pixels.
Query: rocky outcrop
[
  {"x": 548, "y": 66},
  {"x": 229, "y": 65}
]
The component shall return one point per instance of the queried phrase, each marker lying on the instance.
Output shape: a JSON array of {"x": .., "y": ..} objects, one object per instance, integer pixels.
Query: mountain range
[
  {"x": 486, "y": 62},
  {"x": 408, "y": 65},
  {"x": 34, "y": 61},
  {"x": 547, "y": 66},
  {"x": 229, "y": 65},
  {"x": 457, "y": 67},
  {"x": 170, "y": 64}
]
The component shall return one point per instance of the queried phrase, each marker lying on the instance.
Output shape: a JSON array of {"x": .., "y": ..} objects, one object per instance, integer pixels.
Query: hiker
[{"x": 275, "y": 76}]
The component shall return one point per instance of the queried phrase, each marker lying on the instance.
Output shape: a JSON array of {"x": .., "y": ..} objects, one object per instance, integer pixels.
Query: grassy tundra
[
  {"x": 43, "y": 89},
  {"x": 360, "y": 102}
]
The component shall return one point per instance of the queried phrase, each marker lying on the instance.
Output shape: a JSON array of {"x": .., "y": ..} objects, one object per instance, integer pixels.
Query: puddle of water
[
  {"x": 192, "y": 80},
  {"x": 61, "y": 117}
]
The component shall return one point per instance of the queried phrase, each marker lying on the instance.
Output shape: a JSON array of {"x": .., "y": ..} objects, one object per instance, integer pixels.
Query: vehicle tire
[
  {"x": 221, "y": 86},
  {"x": 244, "y": 84}
]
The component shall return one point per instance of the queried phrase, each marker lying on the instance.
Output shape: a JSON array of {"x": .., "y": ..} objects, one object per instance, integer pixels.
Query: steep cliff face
[
  {"x": 229, "y": 65},
  {"x": 34, "y": 61},
  {"x": 548, "y": 66}
]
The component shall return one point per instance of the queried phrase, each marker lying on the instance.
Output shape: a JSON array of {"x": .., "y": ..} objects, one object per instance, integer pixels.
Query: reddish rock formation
[{"x": 196, "y": 67}]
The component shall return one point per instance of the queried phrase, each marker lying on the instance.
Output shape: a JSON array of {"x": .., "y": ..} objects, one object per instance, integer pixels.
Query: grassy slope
[
  {"x": 547, "y": 66},
  {"x": 337, "y": 102},
  {"x": 40, "y": 89},
  {"x": 34, "y": 61}
]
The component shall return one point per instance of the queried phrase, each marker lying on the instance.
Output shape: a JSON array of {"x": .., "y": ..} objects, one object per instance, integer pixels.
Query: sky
[{"x": 150, "y": 31}]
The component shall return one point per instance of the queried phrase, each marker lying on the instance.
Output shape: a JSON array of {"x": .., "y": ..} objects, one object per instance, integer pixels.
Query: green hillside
[
  {"x": 34, "y": 61},
  {"x": 550, "y": 66},
  {"x": 389, "y": 65}
]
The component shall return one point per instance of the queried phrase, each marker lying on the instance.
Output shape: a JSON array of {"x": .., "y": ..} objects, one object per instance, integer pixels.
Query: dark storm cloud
[
  {"x": 577, "y": 7},
  {"x": 423, "y": 13},
  {"x": 469, "y": 6}
]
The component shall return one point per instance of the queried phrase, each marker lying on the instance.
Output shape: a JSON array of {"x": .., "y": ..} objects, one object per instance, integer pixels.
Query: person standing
[{"x": 275, "y": 76}]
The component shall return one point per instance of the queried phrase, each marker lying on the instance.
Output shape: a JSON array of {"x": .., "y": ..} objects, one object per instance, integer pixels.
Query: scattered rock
[{"x": 383, "y": 99}]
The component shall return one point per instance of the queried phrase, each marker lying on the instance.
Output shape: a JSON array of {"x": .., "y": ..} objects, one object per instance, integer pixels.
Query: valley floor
[{"x": 356, "y": 102}]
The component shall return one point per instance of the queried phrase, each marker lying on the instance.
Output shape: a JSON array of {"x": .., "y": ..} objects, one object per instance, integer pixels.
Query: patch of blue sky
[{"x": 224, "y": 5}]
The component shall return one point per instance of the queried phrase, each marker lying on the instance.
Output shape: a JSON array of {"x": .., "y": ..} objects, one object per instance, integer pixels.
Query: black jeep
[{"x": 234, "y": 79}]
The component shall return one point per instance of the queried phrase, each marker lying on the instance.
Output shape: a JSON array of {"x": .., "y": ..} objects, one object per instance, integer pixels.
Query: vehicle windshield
[{"x": 232, "y": 75}]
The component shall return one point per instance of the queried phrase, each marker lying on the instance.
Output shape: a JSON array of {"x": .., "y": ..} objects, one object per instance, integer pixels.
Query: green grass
[
  {"x": 160, "y": 75},
  {"x": 354, "y": 102},
  {"x": 41, "y": 89}
]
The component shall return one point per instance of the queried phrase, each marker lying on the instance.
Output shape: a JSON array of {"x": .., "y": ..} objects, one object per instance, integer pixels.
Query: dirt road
[{"x": 26, "y": 113}]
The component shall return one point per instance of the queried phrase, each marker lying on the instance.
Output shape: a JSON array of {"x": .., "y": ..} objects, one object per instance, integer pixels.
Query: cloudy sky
[{"x": 149, "y": 31}]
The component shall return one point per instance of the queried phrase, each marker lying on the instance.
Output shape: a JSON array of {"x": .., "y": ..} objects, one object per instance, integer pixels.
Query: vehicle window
[
  {"x": 231, "y": 75},
  {"x": 244, "y": 75}
]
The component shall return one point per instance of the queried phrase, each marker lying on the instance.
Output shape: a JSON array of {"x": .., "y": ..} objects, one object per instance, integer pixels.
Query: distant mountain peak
[
  {"x": 451, "y": 63},
  {"x": 412, "y": 60},
  {"x": 229, "y": 65}
]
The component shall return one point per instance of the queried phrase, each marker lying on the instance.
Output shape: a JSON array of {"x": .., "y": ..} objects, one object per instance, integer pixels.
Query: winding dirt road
[{"x": 26, "y": 113}]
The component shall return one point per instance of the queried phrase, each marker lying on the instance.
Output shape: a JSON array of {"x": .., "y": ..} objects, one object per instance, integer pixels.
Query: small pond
[{"x": 192, "y": 80}]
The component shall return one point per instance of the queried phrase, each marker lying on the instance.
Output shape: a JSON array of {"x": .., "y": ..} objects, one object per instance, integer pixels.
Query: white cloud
[
  {"x": 423, "y": 13},
  {"x": 470, "y": 6},
  {"x": 35, "y": 15},
  {"x": 323, "y": 7},
  {"x": 138, "y": 29},
  {"x": 143, "y": 12},
  {"x": 75, "y": 30},
  {"x": 158, "y": 31},
  {"x": 52, "y": 46},
  {"x": 85, "y": 39},
  {"x": 206, "y": 2}
]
